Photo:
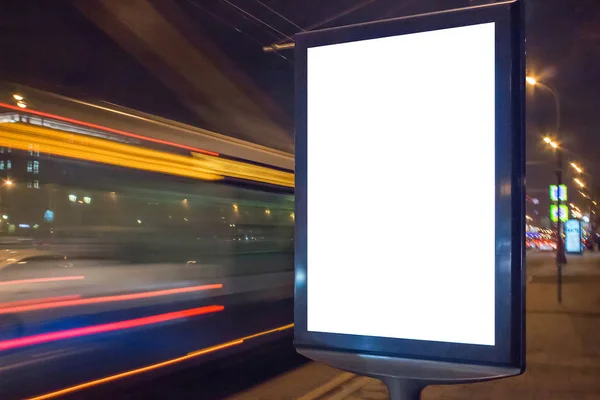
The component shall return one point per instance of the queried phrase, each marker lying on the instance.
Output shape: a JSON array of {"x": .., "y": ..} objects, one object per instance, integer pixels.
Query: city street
[
  {"x": 563, "y": 348},
  {"x": 192, "y": 190}
]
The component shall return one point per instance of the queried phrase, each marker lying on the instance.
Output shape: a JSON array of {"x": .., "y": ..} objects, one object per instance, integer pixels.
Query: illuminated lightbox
[
  {"x": 409, "y": 122},
  {"x": 410, "y": 192}
]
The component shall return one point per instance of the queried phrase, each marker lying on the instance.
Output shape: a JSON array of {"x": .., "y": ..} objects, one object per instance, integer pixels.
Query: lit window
[
  {"x": 29, "y": 185},
  {"x": 87, "y": 200},
  {"x": 2, "y": 165},
  {"x": 36, "y": 167},
  {"x": 29, "y": 166},
  {"x": 8, "y": 164},
  {"x": 36, "y": 184},
  {"x": 72, "y": 198},
  {"x": 9, "y": 150},
  {"x": 1, "y": 149}
]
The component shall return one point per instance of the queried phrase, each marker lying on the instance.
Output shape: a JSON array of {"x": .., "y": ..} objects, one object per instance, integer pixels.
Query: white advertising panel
[
  {"x": 401, "y": 133},
  {"x": 573, "y": 236}
]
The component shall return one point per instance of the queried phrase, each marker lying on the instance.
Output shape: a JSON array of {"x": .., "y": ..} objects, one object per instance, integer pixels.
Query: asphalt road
[{"x": 120, "y": 318}]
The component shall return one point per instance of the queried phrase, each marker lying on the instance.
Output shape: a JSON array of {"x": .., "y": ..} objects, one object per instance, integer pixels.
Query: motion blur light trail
[
  {"x": 105, "y": 299},
  {"x": 199, "y": 166},
  {"x": 43, "y": 280},
  {"x": 110, "y": 327},
  {"x": 35, "y": 302},
  {"x": 20, "y": 136},
  {"x": 107, "y": 129},
  {"x": 126, "y": 374}
]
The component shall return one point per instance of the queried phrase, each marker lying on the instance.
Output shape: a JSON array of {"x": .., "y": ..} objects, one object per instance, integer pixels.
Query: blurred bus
[{"x": 109, "y": 216}]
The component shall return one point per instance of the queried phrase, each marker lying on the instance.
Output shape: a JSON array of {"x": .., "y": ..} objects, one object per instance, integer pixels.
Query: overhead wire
[
  {"x": 341, "y": 14},
  {"x": 230, "y": 25},
  {"x": 333, "y": 17},
  {"x": 250, "y": 20},
  {"x": 395, "y": 10},
  {"x": 255, "y": 18},
  {"x": 279, "y": 15}
]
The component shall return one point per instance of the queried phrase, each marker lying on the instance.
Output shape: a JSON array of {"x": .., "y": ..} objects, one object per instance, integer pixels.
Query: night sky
[{"x": 52, "y": 45}]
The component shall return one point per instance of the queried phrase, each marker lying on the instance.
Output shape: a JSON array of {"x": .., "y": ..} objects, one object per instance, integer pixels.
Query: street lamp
[
  {"x": 576, "y": 167},
  {"x": 560, "y": 251},
  {"x": 552, "y": 143},
  {"x": 577, "y": 181}
]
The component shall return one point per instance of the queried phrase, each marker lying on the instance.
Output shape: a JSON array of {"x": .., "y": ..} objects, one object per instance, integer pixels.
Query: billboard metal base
[
  {"x": 404, "y": 389},
  {"x": 405, "y": 377}
]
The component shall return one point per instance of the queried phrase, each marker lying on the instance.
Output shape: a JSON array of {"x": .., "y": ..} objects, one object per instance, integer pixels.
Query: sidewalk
[{"x": 563, "y": 349}]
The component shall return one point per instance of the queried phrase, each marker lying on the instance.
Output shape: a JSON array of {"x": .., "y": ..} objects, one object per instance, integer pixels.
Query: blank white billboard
[{"x": 401, "y": 186}]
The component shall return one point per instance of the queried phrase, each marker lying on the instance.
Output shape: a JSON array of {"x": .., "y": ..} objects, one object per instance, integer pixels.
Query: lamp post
[{"x": 560, "y": 250}]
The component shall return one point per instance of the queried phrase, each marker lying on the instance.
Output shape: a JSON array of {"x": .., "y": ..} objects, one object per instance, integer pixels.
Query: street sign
[
  {"x": 573, "y": 236},
  {"x": 374, "y": 102},
  {"x": 554, "y": 214},
  {"x": 554, "y": 192}
]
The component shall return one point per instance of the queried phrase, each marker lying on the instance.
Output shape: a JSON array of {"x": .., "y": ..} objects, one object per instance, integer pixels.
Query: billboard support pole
[
  {"x": 402, "y": 389},
  {"x": 406, "y": 378}
]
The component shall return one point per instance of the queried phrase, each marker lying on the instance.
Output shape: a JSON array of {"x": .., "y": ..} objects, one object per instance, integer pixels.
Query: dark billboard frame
[{"x": 509, "y": 350}]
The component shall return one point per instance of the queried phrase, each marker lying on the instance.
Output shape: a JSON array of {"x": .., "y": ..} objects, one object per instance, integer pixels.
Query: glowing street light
[
  {"x": 530, "y": 80},
  {"x": 552, "y": 143},
  {"x": 21, "y": 104},
  {"x": 581, "y": 184},
  {"x": 576, "y": 167},
  {"x": 8, "y": 182},
  {"x": 18, "y": 97}
]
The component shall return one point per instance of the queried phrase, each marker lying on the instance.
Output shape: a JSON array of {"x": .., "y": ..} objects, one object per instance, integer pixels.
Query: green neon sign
[
  {"x": 564, "y": 213},
  {"x": 554, "y": 193}
]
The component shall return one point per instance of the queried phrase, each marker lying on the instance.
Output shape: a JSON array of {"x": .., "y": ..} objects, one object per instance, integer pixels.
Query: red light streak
[
  {"x": 29, "y": 302},
  {"x": 103, "y": 328},
  {"x": 107, "y": 129},
  {"x": 43, "y": 280},
  {"x": 104, "y": 299}
]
